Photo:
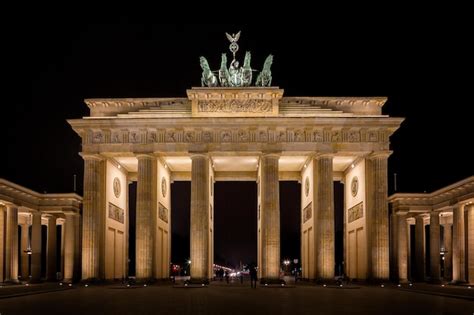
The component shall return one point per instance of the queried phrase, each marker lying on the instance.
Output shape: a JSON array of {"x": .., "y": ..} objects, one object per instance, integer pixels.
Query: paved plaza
[{"x": 220, "y": 298}]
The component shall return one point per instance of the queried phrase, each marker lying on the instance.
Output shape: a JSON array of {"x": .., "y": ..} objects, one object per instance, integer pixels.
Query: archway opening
[{"x": 235, "y": 224}]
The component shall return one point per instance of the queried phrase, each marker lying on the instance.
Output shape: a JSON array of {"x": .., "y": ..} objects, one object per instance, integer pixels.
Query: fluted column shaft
[
  {"x": 2, "y": 242},
  {"x": 93, "y": 216},
  {"x": 11, "y": 245},
  {"x": 146, "y": 207},
  {"x": 25, "y": 242},
  {"x": 435, "y": 247},
  {"x": 69, "y": 247},
  {"x": 51, "y": 249},
  {"x": 77, "y": 246},
  {"x": 448, "y": 248},
  {"x": 36, "y": 247},
  {"x": 377, "y": 216},
  {"x": 420, "y": 248},
  {"x": 324, "y": 210},
  {"x": 270, "y": 216},
  {"x": 402, "y": 246},
  {"x": 470, "y": 243},
  {"x": 199, "y": 217},
  {"x": 459, "y": 271}
]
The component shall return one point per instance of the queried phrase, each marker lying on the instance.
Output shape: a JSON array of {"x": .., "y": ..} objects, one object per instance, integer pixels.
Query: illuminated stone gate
[{"x": 235, "y": 133}]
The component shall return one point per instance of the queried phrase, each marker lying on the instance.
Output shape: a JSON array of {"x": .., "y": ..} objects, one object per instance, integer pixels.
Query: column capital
[
  {"x": 150, "y": 156},
  {"x": 273, "y": 154},
  {"x": 401, "y": 212},
  {"x": 91, "y": 156},
  {"x": 379, "y": 155},
  {"x": 320, "y": 155},
  {"x": 198, "y": 154}
]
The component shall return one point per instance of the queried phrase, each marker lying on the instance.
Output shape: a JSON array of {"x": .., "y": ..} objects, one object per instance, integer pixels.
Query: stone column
[
  {"x": 51, "y": 249},
  {"x": 146, "y": 207},
  {"x": 93, "y": 216},
  {"x": 200, "y": 217},
  {"x": 402, "y": 244},
  {"x": 377, "y": 222},
  {"x": 459, "y": 274},
  {"x": 11, "y": 245},
  {"x": 420, "y": 248},
  {"x": 25, "y": 261},
  {"x": 435, "y": 247},
  {"x": 36, "y": 247},
  {"x": 77, "y": 246},
  {"x": 69, "y": 246},
  {"x": 470, "y": 242},
  {"x": 2, "y": 242},
  {"x": 324, "y": 210},
  {"x": 394, "y": 245},
  {"x": 448, "y": 249}
]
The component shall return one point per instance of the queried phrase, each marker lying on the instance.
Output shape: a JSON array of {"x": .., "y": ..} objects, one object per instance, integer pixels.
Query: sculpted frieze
[
  {"x": 242, "y": 135},
  {"x": 236, "y": 106}
]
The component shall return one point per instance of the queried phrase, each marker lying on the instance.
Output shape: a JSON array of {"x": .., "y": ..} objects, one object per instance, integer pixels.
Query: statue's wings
[
  {"x": 233, "y": 38},
  {"x": 236, "y": 38}
]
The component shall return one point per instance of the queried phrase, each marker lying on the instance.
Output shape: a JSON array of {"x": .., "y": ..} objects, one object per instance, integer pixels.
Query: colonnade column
[
  {"x": 448, "y": 249},
  {"x": 402, "y": 246},
  {"x": 2, "y": 242},
  {"x": 36, "y": 247},
  {"x": 324, "y": 211},
  {"x": 93, "y": 216},
  {"x": 459, "y": 270},
  {"x": 377, "y": 216},
  {"x": 69, "y": 247},
  {"x": 470, "y": 243},
  {"x": 199, "y": 238},
  {"x": 51, "y": 249},
  {"x": 420, "y": 247},
  {"x": 11, "y": 244},
  {"x": 24, "y": 243},
  {"x": 270, "y": 217},
  {"x": 435, "y": 268},
  {"x": 146, "y": 209}
]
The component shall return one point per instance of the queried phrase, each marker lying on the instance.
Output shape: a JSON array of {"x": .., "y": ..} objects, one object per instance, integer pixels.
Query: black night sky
[{"x": 52, "y": 65}]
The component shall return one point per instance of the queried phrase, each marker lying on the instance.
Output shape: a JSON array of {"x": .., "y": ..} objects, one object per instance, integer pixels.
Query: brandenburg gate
[{"x": 229, "y": 130}]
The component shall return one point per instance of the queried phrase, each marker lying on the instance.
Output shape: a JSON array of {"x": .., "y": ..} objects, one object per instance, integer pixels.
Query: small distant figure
[
  {"x": 227, "y": 276},
  {"x": 241, "y": 278},
  {"x": 253, "y": 277}
]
